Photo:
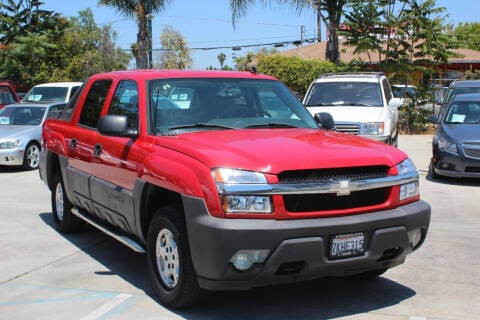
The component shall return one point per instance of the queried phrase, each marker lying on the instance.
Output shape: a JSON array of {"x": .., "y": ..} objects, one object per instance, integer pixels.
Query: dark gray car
[{"x": 456, "y": 143}]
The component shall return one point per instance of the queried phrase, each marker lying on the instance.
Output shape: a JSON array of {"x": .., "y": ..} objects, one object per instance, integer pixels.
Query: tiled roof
[{"x": 317, "y": 51}]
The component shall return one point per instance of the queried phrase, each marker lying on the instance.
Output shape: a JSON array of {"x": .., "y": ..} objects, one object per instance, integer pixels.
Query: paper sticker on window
[{"x": 458, "y": 118}]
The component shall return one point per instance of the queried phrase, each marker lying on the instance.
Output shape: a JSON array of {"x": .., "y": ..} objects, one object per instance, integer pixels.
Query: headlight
[
  {"x": 12, "y": 144},
  {"x": 411, "y": 189},
  {"x": 241, "y": 203},
  {"x": 372, "y": 128},
  {"x": 447, "y": 145}
]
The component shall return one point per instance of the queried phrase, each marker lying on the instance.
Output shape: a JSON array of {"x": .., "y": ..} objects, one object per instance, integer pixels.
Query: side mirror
[
  {"x": 395, "y": 102},
  {"x": 115, "y": 126},
  {"x": 325, "y": 121}
]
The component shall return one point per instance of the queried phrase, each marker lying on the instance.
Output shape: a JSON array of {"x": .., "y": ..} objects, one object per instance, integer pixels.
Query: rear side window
[{"x": 93, "y": 104}]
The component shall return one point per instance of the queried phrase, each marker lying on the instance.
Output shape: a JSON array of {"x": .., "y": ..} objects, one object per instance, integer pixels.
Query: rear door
[{"x": 80, "y": 142}]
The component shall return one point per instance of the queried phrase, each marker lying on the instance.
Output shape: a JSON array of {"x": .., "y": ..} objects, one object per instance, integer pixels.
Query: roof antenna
[{"x": 253, "y": 69}]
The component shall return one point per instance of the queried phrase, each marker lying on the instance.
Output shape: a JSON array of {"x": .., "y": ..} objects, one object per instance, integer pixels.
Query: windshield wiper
[
  {"x": 200, "y": 125},
  {"x": 271, "y": 124}
]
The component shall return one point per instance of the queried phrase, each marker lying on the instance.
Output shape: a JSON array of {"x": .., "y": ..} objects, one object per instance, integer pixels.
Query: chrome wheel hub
[
  {"x": 167, "y": 258},
  {"x": 59, "y": 201}
]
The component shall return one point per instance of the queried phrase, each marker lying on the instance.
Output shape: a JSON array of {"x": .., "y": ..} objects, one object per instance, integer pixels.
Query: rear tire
[
  {"x": 65, "y": 221},
  {"x": 169, "y": 261}
]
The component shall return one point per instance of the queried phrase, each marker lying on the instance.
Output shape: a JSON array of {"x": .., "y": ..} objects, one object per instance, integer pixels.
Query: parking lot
[{"x": 45, "y": 275}]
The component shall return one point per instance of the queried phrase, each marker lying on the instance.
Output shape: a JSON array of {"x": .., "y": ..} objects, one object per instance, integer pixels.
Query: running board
[{"x": 126, "y": 241}]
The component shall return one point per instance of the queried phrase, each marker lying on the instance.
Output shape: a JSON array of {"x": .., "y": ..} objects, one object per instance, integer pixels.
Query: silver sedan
[{"x": 21, "y": 132}]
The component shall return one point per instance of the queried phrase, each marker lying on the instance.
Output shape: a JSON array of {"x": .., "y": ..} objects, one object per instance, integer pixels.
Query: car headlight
[
  {"x": 10, "y": 144},
  {"x": 447, "y": 145},
  {"x": 410, "y": 189},
  {"x": 241, "y": 203},
  {"x": 372, "y": 128}
]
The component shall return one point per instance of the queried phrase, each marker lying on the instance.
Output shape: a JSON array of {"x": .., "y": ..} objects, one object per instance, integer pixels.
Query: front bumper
[
  {"x": 11, "y": 157},
  {"x": 455, "y": 165},
  {"x": 298, "y": 248}
]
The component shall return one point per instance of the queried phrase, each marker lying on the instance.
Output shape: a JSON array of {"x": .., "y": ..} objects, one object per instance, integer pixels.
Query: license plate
[{"x": 347, "y": 245}]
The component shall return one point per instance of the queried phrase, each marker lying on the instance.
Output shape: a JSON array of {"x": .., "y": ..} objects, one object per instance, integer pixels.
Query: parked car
[
  {"x": 54, "y": 91},
  {"x": 456, "y": 143},
  {"x": 404, "y": 91},
  {"x": 459, "y": 87},
  {"x": 361, "y": 103},
  {"x": 21, "y": 131},
  {"x": 8, "y": 93}
]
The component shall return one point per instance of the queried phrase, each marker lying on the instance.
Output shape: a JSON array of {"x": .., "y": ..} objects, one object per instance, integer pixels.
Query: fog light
[
  {"x": 414, "y": 237},
  {"x": 244, "y": 259},
  {"x": 409, "y": 190}
]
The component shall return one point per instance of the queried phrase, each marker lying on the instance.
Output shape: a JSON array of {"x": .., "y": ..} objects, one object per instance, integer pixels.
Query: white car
[
  {"x": 361, "y": 103},
  {"x": 21, "y": 132},
  {"x": 53, "y": 91}
]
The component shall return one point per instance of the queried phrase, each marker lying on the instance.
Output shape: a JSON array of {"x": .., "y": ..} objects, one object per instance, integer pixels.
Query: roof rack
[{"x": 377, "y": 74}]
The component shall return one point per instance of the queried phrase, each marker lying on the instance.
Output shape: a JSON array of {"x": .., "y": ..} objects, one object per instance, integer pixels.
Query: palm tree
[
  {"x": 330, "y": 11},
  {"x": 142, "y": 11},
  {"x": 221, "y": 59}
]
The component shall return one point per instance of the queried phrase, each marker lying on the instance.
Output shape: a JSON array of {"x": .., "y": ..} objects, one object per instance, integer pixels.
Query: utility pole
[{"x": 149, "y": 33}]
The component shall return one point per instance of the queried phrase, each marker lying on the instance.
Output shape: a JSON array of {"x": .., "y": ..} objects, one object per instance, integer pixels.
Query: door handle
[
  {"x": 73, "y": 143},
  {"x": 97, "y": 150}
]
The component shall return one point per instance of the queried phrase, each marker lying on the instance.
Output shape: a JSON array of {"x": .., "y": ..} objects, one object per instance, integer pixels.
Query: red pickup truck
[
  {"x": 8, "y": 94},
  {"x": 227, "y": 182}
]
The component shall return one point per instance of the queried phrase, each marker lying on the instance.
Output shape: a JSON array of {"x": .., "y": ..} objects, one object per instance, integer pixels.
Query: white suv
[
  {"x": 52, "y": 92},
  {"x": 361, "y": 103}
]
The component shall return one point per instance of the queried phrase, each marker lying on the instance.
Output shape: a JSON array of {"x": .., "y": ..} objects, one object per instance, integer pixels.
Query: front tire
[
  {"x": 31, "y": 157},
  {"x": 169, "y": 260},
  {"x": 65, "y": 221}
]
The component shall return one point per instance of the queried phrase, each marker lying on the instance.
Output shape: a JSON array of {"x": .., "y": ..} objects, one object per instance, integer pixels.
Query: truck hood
[
  {"x": 351, "y": 114},
  {"x": 277, "y": 150}
]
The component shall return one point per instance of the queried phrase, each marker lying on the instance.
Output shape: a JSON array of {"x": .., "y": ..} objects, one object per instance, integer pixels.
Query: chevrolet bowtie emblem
[{"x": 342, "y": 188}]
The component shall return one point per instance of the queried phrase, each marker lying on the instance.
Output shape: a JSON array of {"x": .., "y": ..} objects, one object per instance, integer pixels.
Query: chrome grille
[
  {"x": 353, "y": 128},
  {"x": 472, "y": 153},
  {"x": 331, "y": 201}
]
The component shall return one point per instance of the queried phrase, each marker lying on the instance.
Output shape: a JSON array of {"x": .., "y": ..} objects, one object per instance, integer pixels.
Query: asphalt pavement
[{"x": 45, "y": 275}]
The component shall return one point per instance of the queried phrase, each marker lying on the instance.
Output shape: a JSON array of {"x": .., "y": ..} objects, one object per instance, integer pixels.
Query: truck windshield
[{"x": 219, "y": 104}]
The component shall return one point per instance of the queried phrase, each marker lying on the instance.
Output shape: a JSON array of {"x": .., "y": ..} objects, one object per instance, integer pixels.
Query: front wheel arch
[{"x": 169, "y": 260}]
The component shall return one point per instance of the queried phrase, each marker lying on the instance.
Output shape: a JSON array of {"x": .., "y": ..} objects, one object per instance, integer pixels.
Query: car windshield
[
  {"x": 37, "y": 94},
  {"x": 30, "y": 116},
  {"x": 463, "y": 112},
  {"x": 404, "y": 91},
  {"x": 219, "y": 104},
  {"x": 344, "y": 94}
]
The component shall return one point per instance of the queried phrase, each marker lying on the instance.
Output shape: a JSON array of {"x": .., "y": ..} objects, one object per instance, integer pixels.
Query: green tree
[
  {"x": 330, "y": 12},
  {"x": 406, "y": 39},
  {"x": 467, "y": 35},
  {"x": 295, "y": 72},
  {"x": 175, "y": 53},
  {"x": 141, "y": 11}
]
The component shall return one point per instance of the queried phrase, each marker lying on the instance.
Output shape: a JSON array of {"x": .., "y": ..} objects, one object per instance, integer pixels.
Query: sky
[{"x": 208, "y": 24}]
